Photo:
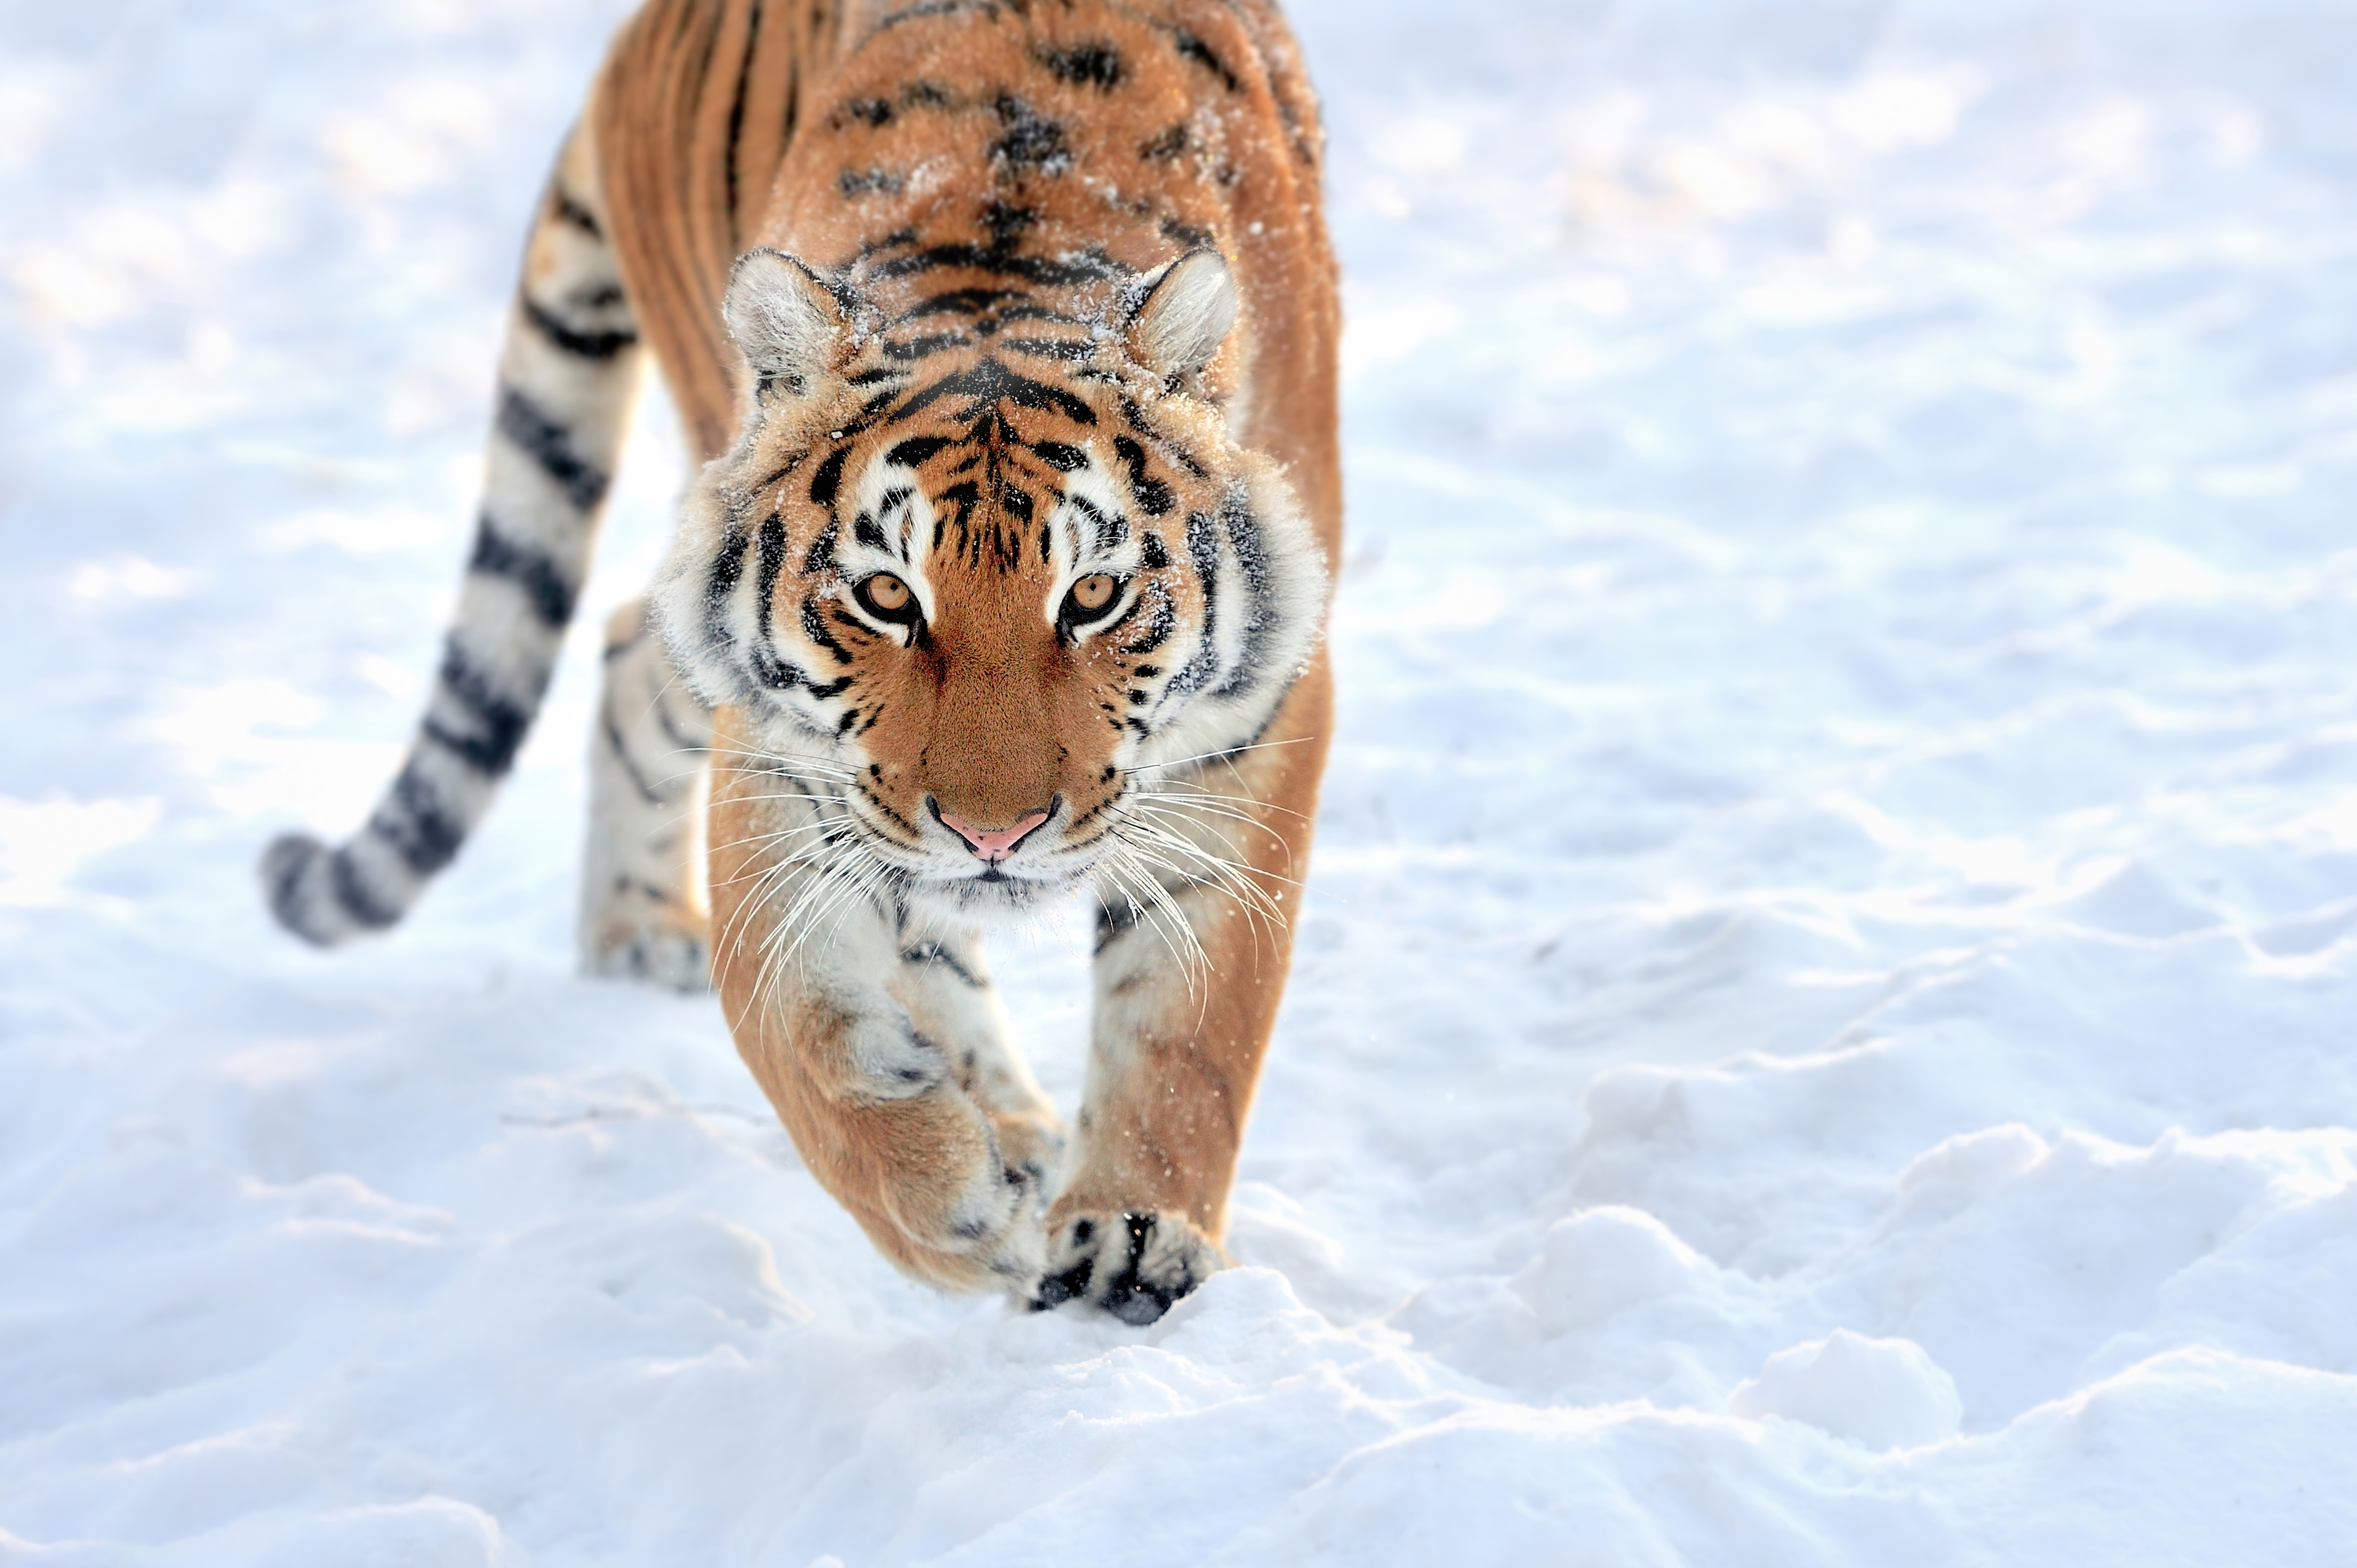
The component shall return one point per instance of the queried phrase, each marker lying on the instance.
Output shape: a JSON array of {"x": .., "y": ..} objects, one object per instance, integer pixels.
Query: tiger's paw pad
[{"x": 1132, "y": 1265}]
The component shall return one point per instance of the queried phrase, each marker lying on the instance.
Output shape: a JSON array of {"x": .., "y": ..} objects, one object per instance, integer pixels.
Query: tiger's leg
[
  {"x": 834, "y": 1011},
  {"x": 643, "y": 913},
  {"x": 568, "y": 370},
  {"x": 951, "y": 1001},
  {"x": 1176, "y": 1041}
]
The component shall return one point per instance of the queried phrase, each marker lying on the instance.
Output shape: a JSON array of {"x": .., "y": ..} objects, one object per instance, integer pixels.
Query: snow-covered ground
[{"x": 1826, "y": 1023}]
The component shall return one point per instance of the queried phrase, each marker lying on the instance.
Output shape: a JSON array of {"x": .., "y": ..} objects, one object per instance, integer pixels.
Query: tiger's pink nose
[{"x": 994, "y": 844}]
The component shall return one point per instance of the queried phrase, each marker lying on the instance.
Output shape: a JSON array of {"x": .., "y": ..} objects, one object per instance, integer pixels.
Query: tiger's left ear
[
  {"x": 1182, "y": 315},
  {"x": 786, "y": 320}
]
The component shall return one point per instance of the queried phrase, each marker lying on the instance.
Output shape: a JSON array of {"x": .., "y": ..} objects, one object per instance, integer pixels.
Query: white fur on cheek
[
  {"x": 1261, "y": 639},
  {"x": 707, "y": 596}
]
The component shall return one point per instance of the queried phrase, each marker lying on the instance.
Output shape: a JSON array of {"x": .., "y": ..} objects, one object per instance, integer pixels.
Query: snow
[
  {"x": 1881, "y": 1393},
  {"x": 1822, "y": 1028}
]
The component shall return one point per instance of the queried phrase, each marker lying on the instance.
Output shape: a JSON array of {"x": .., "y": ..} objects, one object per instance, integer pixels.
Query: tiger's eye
[
  {"x": 1094, "y": 593},
  {"x": 885, "y": 594}
]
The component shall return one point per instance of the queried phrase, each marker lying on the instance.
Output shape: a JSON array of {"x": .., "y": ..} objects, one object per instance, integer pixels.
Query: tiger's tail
[{"x": 568, "y": 373}]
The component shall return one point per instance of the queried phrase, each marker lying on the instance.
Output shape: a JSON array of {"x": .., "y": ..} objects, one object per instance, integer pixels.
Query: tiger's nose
[{"x": 994, "y": 844}]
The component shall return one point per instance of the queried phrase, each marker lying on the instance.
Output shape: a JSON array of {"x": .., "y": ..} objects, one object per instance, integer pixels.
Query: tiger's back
[{"x": 1137, "y": 130}]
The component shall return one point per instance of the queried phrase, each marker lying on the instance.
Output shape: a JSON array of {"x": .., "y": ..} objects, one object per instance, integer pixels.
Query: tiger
[{"x": 1005, "y": 332}]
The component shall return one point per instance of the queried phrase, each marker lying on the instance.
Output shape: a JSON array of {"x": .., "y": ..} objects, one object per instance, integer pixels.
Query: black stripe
[
  {"x": 355, "y": 896},
  {"x": 921, "y": 9},
  {"x": 1114, "y": 924},
  {"x": 1162, "y": 148},
  {"x": 815, "y": 627},
  {"x": 414, "y": 822},
  {"x": 829, "y": 477},
  {"x": 822, "y": 550},
  {"x": 915, "y": 450},
  {"x": 940, "y": 957},
  {"x": 923, "y": 347},
  {"x": 1243, "y": 538},
  {"x": 285, "y": 861},
  {"x": 728, "y": 570},
  {"x": 1137, "y": 602},
  {"x": 955, "y": 504},
  {"x": 990, "y": 381},
  {"x": 547, "y": 443},
  {"x": 1006, "y": 221},
  {"x": 613, "y": 739},
  {"x": 1091, "y": 64},
  {"x": 700, "y": 742},
  {"x": 1203, "y": 553},
  {"x": 567, "y": 210},
  {"x": 1031, "y": 140},
  {"x": 876, "y": 804},
  {"x": 1186, "y": 234},
  {"x": 1109, "y": 531},
  {"x": 581, "y": 344},
  {"x": 530, "y": 568},
  {"x": 501, "y": 721},
  {"x": 1161, "y": 619},
  {"x": 1152, "y": 494},
  {"x": 1135, "y": 417},
  {"x": 771, "y": 671},
  {"x": 1086, "y": 266},
  {"x": 1041, "y": 313},
  {"x": 1196, "y": 49},
  {"x": 892, "y": 241},
  {"x": 737, "y": 109},
  {"x": 957, "y": 302},
  {"x": 1049, "y": 348}
]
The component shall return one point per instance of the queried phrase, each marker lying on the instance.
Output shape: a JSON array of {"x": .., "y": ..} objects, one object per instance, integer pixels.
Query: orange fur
[{"x": 987, "y": 190}]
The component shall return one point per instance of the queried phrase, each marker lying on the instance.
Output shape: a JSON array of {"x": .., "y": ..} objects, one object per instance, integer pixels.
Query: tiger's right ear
[
  {"x": 1182, "y": 313},
  {"x": 789, "y": 324}
]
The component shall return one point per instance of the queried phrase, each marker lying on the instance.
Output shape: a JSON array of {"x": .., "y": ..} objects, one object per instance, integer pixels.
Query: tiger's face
[{"x": 977, "y": 602}]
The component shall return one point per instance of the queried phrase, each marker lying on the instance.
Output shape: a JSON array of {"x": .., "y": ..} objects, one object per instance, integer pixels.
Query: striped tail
[{"x": 566, "y": 374}]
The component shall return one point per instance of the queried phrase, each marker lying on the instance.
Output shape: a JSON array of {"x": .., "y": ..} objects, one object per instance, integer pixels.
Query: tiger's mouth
[
  {"x": 1007, "y": 873},
  {"x": 1013, "y": 869},
  {"x": 995, "y": 890}
]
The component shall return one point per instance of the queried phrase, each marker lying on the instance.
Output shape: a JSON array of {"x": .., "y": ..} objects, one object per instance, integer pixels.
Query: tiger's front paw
[
  {"x": 930, "y": 1181},
  {"x": 658, "y": 945},
  {"x": 1132, "y": 1263},
  {"x": 1032, "y": 1145}
]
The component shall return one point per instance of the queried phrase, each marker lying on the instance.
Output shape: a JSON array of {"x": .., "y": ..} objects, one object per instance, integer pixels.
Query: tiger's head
[{"x": 980, "y": 574}]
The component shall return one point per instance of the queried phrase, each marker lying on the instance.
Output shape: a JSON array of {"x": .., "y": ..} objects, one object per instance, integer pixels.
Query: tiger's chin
[{"x": 997, "y": 897}]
